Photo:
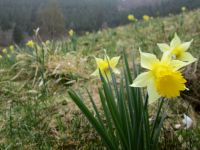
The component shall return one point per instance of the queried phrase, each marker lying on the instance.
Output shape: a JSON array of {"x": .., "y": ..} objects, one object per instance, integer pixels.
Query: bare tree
[{"x": 51, "y": 20}]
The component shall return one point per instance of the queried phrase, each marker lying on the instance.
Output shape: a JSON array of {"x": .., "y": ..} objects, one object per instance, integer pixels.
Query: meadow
[{"x": 36, "y": 111}]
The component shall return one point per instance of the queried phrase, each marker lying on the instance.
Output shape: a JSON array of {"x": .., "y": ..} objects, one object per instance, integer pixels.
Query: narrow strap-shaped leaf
[
  {"x": 110, "y": 99},
  {"x": 125, "y": 117},
  {"x": 157, "y": 117},
  {"x": 96, "y": 110},
  {"x": 111, "y": 129},
  {"x": 91, "y": 119}
]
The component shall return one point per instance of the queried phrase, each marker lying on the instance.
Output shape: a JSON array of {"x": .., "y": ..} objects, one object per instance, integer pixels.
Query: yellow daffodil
[
  {"x": 104, "y": 66},
  {"x": 131, "y": 17},
  {"x": 183, "y": 8},
  {"x": 11, "y": 48},
  {"x": 5, "y": 51},
  {"x": 30, "y": 44},
  {"x": 163, "y": 78},
  {"x": 178, "y": 49},
  {"x": 71, "y": 32},
  {"x": 146, "y": 18},
  {"x": 47, "y": 42}
]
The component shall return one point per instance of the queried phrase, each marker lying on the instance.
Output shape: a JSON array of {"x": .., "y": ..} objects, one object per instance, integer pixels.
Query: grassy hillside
[{"x": 35, "y": 109}]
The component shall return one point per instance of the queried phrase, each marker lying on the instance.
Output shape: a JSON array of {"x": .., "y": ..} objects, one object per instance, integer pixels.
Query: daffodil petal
[
  {"x": 152, "y": 93},
  {"x": 186, "y": 56},
  {"x": 185, "y": 46},
  {"x": 142, "y": 80},
  {"x": 163, "y": 47},
  {"x": 177, "y": 64},
  {"x": 114, "y": 61},
  {"x": 175, "y": 41},
  {"x": 166, "y": 57},
  {"x": 147, "y": 60}
]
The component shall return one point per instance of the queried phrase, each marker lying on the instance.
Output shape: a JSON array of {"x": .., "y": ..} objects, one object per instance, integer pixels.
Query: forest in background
[{"x": 18, "y": 18}]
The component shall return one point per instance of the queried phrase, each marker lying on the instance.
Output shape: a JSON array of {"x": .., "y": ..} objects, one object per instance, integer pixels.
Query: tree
[{"x": 51, "y": 20}]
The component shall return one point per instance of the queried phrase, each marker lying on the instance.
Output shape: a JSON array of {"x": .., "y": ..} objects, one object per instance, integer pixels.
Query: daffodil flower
[
  {"x": 104, "y": 66},
  {"x": 163, "y": 78},
  {"x": 5, "y": 51},
  {"x": 71, "y": 32},
  {"x": 30, "y": 44},
  {"x": 146, "y": 18},
  {"x": 131, "y": 17},
  {"x": 47, "y": 42},
  {"x": 178, "y": 49},
  {"x": 183, "y": 8},
  {"x": 11, "y": 47}
]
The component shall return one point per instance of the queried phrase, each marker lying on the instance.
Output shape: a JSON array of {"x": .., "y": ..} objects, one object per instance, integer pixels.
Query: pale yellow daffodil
[
  {"x": 131, "y": 17},
  {"x": 178, "y": 49},
  {"x": 146, "y": 18},
  {"x": 183, "y": 8},
  {"x": 71, "y": 32},
  {"x": 47, "y": 42},
  {"x": 5, "y": 51},
  {"x": 104, "y": 66},
  {"x": 30, "y": 44},
  {"x": 163, "y": 78},
  {"x": 11, "y": 47}
]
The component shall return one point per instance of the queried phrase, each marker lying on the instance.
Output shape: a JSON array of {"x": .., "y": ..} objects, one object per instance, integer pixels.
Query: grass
[{"x": 33, "y": 116}]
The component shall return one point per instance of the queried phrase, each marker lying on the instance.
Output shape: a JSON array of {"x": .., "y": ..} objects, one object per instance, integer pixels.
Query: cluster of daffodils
[
  {"x": 8, "y": 51},
  {"x": 164, "y": 78},
  {"x": 132, "y": 18}
]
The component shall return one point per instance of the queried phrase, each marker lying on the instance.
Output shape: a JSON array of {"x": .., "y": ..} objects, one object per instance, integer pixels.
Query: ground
[{"x": 36, "y": 111}]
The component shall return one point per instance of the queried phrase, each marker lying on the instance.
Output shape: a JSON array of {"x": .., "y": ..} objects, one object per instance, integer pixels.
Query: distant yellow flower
[
  {"x": 5, "y": 51},
  {"x": 146, "y": 18},
  {"x": 71, "y": 32},
  {"x": 131, "y": 17},
  {"x": 1, "y": 57},
  {"x": 104, "y": 66},
  {"x": 30, "y": 44},
  {"x": 47, "y": 42},
  {"x": 178, "y": 49},
  {"x": 163, "y": 78},
  {"x": 183, "y": 8},
  {"x": 11, "y": 48}
]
